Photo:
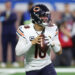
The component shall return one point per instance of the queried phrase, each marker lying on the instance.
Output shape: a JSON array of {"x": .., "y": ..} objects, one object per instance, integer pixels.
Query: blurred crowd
[
  {"x": 66, "y": 26},
  {"x": 10, "y": 20}
]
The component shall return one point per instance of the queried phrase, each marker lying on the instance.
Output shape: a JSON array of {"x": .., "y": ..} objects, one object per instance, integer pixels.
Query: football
[{"x": 43, "y": 44}]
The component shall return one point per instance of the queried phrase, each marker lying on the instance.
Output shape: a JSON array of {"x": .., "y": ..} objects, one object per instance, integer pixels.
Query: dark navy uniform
[
  {"x": 48, "y": 70},
  {"x": 8, "y": 33}
]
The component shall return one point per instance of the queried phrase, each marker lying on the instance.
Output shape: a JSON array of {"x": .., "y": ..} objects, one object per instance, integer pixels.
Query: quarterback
[{"x": 36, "y": 40}]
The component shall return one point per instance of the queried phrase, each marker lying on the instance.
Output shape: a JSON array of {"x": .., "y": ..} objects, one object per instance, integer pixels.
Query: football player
[{"x": 37, "y": 40}]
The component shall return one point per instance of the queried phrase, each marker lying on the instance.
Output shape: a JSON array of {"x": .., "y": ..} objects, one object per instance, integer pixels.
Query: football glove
[{"x": 49, "y": 41}]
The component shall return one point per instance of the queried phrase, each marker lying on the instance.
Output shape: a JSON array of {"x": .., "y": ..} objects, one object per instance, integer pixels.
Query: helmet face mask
[
  {"x": 40, "y": 15},
  {"x": 45, "y": 19}
]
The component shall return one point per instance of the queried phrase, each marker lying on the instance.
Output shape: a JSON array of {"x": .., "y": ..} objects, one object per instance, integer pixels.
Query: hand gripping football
[{"x": 43, "y": 44}]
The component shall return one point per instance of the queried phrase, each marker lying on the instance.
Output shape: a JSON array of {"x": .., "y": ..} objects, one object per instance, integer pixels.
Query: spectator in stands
[
  {"x": 8, "y": 19},
  {"x": 66, "y": 43},
  {"x": 70, "y": 20},
  {"x": 73, "y": 37},
  {"x": 26, "y": 19},
  {"x": 66, "y": 14}
]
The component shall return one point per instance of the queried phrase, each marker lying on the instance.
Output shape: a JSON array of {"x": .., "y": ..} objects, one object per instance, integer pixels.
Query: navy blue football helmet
[{"x": 40, "y": 14}]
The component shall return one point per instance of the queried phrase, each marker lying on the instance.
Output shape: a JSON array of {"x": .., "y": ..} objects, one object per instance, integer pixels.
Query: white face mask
[
  {"x": 45, "y": 24},
  {"x": 45, "y": 21}
]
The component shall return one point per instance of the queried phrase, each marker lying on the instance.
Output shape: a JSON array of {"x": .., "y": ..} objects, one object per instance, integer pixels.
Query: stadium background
[{"x": 56, "y": 7}]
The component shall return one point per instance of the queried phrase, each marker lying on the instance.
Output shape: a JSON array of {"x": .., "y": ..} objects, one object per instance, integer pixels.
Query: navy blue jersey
[{"x": 8, "y": 23}]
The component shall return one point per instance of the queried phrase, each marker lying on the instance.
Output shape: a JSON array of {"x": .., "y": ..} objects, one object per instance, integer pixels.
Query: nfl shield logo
[{"x": 31, "y": 38}]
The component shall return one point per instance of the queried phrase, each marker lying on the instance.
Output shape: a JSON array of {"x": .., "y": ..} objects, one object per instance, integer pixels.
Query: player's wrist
[{"x": 32, "y": 42}]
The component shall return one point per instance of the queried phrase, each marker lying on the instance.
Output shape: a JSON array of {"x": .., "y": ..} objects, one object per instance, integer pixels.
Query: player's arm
[
  {"x": 23, "y": 45},
  {"x": 55, "y": 44}
]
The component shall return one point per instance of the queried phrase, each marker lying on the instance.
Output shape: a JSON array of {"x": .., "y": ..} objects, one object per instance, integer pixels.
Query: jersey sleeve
[
  {"x": 20, "y": 32},
  {"x": 56, "y": 38},
  {"x": 57, "y": 45},
  {"x": 23, "y": 45}
]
